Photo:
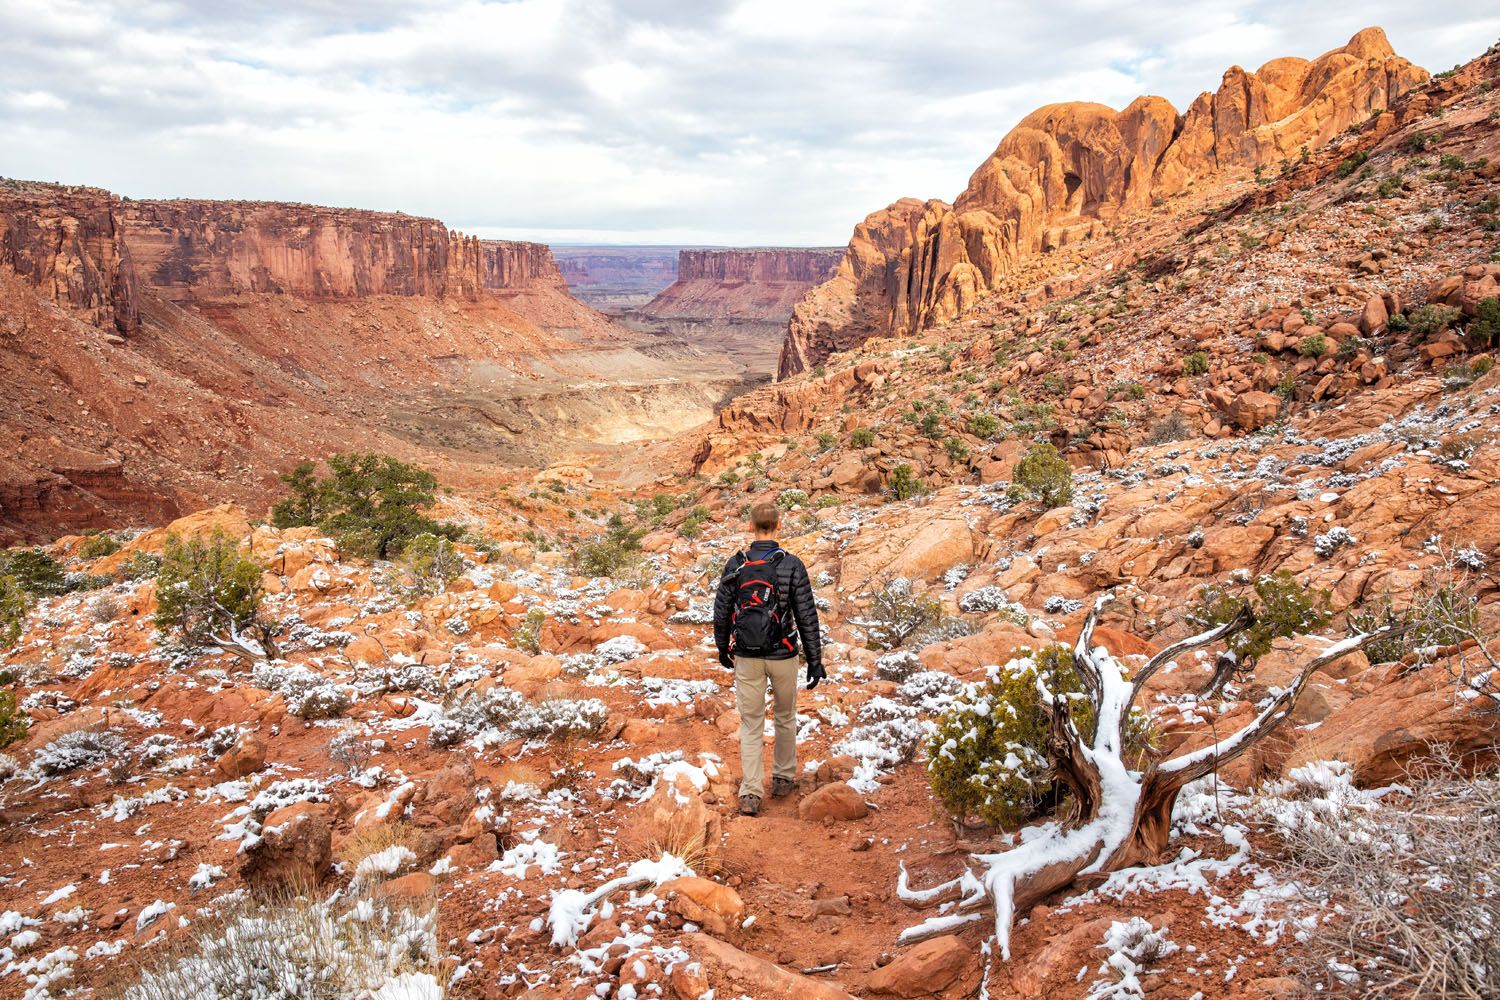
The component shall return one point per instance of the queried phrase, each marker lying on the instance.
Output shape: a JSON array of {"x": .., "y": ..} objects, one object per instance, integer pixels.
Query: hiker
[{"x": 764, "y": 604}]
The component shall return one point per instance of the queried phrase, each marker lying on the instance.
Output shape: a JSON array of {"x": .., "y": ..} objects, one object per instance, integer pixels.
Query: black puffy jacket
[{"x": 793, "y": 586}]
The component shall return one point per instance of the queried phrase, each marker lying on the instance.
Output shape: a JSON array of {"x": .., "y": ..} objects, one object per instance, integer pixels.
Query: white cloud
[{"x": 763, "y": 121}]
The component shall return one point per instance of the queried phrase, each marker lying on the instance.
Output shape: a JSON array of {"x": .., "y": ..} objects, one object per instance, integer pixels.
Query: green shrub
[
  {"x": 610, "y": 553},
  {"x": 984, "y": 425},
  {"x": 138, "y": 566},
  {"x": 1195, "y": 363},
  {"x": 1313, "y": 347},
  {"x": 1042, "y": 475},
  {"x": 861, "y": 437},
  {"x": 34, "y": 571},
  {"x": 988, "y": 755},
  {"x": 826, "y": 440},
  {"x": 1352, "y": 346},
  {"x": 1282, "y": 607},
  {"x": 1352, "y": 164},
  {"x": 372, "y": 503},
  {"x": 432, "y": 563},
  {"x": 827, "y": 500},
  {"x": 792, "y": 498},
  {"x": 931, "y": 425},
  {"x": 13, "y": 720},
  {"x": 904, "y": 484},
  {"x": 956, "y": 449},
  {"x": 98, "y": 546},
  {"x": 1286, "y": 388},
  {"x": 1431, "y": 318},
  {"x": 528, "y": 634},
  {"x": 692, "y": 525},
  {"x": 14, "y": 600},
  {"x": 208, "y": 591},
  {"x": 1484, "y": 328}
]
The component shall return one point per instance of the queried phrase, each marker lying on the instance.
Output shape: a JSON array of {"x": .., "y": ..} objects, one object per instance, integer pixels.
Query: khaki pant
[{"x": 750, "y": 675}]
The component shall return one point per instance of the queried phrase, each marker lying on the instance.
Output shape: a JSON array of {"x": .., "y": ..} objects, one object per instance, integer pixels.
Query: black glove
[
  {"x": 815, "y": 673},
  {"x": 726, "y": 661}
]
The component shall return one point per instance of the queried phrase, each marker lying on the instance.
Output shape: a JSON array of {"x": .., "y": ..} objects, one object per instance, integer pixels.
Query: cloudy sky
[{"x": 703, "y": 121}]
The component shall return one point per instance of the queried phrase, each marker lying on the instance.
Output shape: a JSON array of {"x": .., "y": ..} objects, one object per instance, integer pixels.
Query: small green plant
[
  {"x": 1484, "y": 328},
  {"x": 1286, "y": 388},
  {"x": 610, "y": 553},
  {"x": 138, "y": 566},
  {"x": 1432, "y": 317},
  {"x": 98, "y": 546},
  {"x": 1313, "y": 347},
  {"x": 209, "y": 593},
  {"x": 987, "y": 758},
  {"x": 904, "y": 484},
  {"x": 14, "y": 722},
  {"x": 528, "y": 634},
  {"x": 1352, "y": 164},
  {"x": 792, "y": 498},
  {"x": 931, "y": 425},
  {"x": 826, "y": 440},
  {"x": 984, "y": 425},
  {"x": 1042, "y": 475},
  {"x": 1398, "y": 323},
  {"x": 1281, "y": 608},
  {"x": 431, "y": 562},
  {"x": 692, "y": 525},
  {"x": 14, "y": 602},
  {"x": 34, "y": 571},
  {"x": 1195, "y": 363},
  {"x": 956, "y": 449},
  {"x": 661, "y": 505},
  {"x": 861, "y": 437},
  {"x": 1351, "y": 346}
]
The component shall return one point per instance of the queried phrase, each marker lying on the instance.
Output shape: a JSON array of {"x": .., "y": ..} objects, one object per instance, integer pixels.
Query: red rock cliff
[
  {"x": 67, "y": 242},
  {"x": 757, "y": 284},
  {"x": 208, "y": 249},
  {"x": 1068, "y": 169}
]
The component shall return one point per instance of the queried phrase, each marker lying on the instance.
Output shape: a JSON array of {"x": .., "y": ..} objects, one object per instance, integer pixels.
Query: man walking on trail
[{"x": 764, "y": 604}]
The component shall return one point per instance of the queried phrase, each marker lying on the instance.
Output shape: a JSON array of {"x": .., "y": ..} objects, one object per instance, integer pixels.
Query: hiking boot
[
  {"x": 749, "y": 805},
  {"x": 782, "y": 786}
]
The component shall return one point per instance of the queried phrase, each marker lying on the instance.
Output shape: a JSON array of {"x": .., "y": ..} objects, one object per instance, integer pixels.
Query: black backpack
[{"x": 758, "y": 627}]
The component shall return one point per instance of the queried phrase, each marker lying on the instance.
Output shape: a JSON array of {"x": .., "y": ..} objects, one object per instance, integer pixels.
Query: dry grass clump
[{"x": 1407, "y": 895}]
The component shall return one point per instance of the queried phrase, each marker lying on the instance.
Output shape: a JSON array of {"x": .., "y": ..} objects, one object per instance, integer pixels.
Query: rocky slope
[
  {"x": 160, "y": 354},
  {"x": 1070, "y": 172}
]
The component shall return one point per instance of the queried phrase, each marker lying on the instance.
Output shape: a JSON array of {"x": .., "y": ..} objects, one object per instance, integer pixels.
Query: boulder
[
  {"x": 1253, "y": 410},
  {"x": 295, "y": 848},
  {"x": 753, "y": 976},
  {"x": 247, "y": 756},
  {"x": 836, "y": 800},
  {"x": 928, "y": 969}
]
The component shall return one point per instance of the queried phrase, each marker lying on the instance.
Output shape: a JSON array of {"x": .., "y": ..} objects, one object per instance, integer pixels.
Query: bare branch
[
  {"x": 1242, "y": 620},
  {"x": 1199, "y": 762}
]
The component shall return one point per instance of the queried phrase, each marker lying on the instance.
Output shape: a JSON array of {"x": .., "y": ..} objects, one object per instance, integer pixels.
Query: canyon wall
[
  {"x": 750, "y": 284},
  {"x": 208, "y": 249},
  {"x": 66, "y": 241},
  {"x": 617, "y": 277},
  {"x": 1066, "y": 172}
]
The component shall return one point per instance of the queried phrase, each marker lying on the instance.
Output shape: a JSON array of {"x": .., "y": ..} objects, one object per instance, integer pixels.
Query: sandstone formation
[
  {"x": 742, "y": 284},
  {"x": 1066, "y": 173},
  {"x": 68, "y": 242}
]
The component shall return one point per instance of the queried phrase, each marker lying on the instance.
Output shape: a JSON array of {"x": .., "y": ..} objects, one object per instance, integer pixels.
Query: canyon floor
[{"x": 1230, "y": 382}]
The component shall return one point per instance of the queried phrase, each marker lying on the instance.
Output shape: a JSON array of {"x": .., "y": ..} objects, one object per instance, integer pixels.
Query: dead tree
[{"x": 1122, "y": 817}]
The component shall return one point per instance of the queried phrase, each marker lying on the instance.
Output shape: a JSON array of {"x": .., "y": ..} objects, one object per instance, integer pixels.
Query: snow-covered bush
[
  {"x": 308, "y": 694},
  {"x": 618, "y": 649},
  {"x": 1400, "y": 897},
  {"x": 8, "y": 766},
  {"x": 897, "y": 666},
  {"x": 1059, "y": 605},
  {"x": 1133, "y": 946},
  {"x": 79, "y": 748},
  {"x": 987, "y": 757},
  {"x": 1330, "y": 541},
  {"x": 985, "y": 599},
  {"x": 503, "y": 713},
  {"x": 930, "y": 690},
  {"x": 302, "y": 948},
  {"x": 897, "y": 612}
]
